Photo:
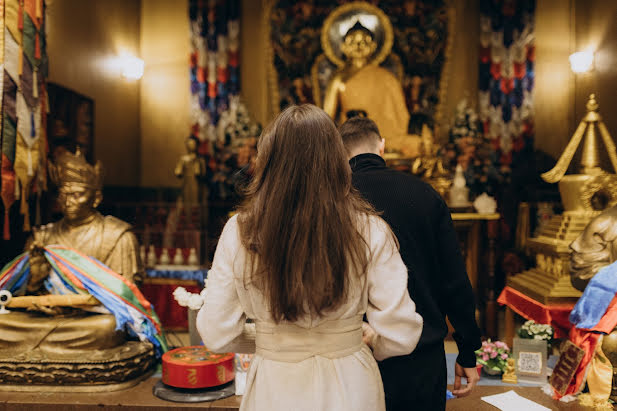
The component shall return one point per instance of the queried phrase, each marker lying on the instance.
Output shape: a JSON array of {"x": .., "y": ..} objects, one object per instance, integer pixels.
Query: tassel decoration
[
  {"x": 30, "y": 167},
  {"x": 20, "y": 62},
  {"x": 35, "y": 84},
  {"x": 37, "y": 46},
  {"x": 20, "y": 16},
  {"x": 17, "y": 189},
  {"x": 39, "y": 10}
]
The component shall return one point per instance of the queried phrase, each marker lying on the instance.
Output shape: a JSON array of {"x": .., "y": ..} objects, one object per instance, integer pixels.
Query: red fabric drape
[{"x": 555, "y": 315}]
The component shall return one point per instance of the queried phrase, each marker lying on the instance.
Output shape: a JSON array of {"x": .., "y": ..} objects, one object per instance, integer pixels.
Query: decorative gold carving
[
  {"x": 74, "y": 169},
  {"x": 220, "y": 374},
  {"x": 591, "y": 155},
  {"x": 91, "y": 371},
  {"x": 557, "y": 172},
  {"x": 552, "y": 265},
  {"x": 191, "y": 376},
  {"x": 600, "y": 192},
  {"x": 272, "y": 76},
  {"x": 445, "y": 71}
]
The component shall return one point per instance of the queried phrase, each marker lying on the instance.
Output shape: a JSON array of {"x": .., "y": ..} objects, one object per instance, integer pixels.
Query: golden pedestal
[{"x": 549, "y": 281}]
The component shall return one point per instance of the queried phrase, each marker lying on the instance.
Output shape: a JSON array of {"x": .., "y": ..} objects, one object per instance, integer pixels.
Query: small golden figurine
[
  {"x": 190, "y": 169},
  {"x": 509, "y": 375},
  {"x": 430, "y": 165}
]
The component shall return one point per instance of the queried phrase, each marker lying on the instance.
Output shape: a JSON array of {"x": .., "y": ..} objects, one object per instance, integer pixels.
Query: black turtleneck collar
[{"x": 366, "y": 161}]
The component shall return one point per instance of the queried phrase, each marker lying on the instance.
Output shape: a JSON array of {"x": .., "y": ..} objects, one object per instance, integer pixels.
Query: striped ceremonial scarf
[{"x": 77, "y": 273}]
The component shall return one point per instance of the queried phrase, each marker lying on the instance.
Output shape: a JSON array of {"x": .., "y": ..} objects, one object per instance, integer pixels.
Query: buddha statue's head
[
  {"x": 79, "y": 185},
  {"x": 191, "y": 145},
  {"x": 359, "y": 43}
]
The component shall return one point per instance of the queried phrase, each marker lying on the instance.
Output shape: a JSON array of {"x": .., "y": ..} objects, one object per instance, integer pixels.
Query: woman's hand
[{"x": 369, "y": 336}]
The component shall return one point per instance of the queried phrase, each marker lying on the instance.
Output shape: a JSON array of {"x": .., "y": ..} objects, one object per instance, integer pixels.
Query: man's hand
[{"x": 470, "y": 374}]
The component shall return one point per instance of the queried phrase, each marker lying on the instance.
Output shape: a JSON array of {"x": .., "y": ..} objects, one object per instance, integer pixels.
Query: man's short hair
[{"x": 359, "y": 131}]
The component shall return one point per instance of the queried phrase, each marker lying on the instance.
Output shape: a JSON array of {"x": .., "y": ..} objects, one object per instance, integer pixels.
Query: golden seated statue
[
  {"x": 60, "y": 343},
  {"x": 361, "y": 84}
]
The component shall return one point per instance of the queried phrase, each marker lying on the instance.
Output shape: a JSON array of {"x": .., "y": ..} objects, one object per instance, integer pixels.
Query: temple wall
[
  {"x": 596, "y": 29},
  {"x": 164, "y": 109},
  {"x": 82, "y": 35},
  {"x": 563, "y": 27},
  {"x": 553, "y": 92}
]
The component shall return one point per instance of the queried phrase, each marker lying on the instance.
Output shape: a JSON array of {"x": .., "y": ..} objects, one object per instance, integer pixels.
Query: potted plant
[
  {"x": 493, "y": 356},
  {"x": 532, "y": 330}
]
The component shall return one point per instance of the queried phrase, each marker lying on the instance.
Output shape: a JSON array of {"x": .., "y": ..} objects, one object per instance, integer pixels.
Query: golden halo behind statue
[{"x": 343, "y": 18}]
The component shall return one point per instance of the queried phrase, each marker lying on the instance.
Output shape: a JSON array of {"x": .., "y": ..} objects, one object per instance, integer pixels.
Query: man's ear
[{"x": 382, "y": 146}]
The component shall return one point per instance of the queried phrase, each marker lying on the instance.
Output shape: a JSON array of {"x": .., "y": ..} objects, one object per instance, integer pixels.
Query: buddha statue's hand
[
  {"x": 39, "y": 268},
  {"x": 51, "y": 311}
]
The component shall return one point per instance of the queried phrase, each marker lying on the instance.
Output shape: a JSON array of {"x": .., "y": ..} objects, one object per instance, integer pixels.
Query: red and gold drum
[{"x": 196, "y": 367}]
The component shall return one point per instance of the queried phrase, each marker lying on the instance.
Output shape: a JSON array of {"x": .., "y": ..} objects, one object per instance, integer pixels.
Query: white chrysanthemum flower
[
  {"x": 195, "y": 302},
  {"x": 179, "y": 290}
]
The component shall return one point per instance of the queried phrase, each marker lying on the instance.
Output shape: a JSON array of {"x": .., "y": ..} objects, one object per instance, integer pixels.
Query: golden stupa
[{"x": 584, "y": 196}]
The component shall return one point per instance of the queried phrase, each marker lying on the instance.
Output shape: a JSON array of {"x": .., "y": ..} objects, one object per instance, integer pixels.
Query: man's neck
[{"x": 359, "y": 151}]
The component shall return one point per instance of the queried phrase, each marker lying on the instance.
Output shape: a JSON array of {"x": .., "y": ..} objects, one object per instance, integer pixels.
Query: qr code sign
[{"x": 530, "y": 362}]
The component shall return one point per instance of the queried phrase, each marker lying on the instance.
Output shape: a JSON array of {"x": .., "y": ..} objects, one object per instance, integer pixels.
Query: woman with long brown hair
[{"x": 306, "y": 258}]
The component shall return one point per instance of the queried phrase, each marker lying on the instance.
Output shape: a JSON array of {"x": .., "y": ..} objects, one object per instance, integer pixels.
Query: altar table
[{"x": 140, "y": 398}]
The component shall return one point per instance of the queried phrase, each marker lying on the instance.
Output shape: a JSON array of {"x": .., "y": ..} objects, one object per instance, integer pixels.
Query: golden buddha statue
[
  {"x": 190, "y": 168},
  {"x": 64, "y": 344},
  {"x": 361, "y": 84},
  {"x": 595, "y": 248}
]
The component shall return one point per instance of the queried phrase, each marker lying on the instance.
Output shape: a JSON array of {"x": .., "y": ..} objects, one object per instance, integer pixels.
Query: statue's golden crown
[{"x": 73, "y": 168}]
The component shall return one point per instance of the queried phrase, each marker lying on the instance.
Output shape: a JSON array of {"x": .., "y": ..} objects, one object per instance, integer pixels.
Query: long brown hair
[{"x": 300, "y": 220}]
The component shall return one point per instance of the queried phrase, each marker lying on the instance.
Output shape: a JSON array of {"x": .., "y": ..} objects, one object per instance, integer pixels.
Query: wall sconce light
[
  {"x": 132, "y": 67},
  {"x": 581, "y": 62}
]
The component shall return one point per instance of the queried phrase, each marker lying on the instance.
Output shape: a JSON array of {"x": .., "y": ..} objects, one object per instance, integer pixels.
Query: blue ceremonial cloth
[
  {"x": 596, "y": 298},
  {"x": 195, "y": 275}
]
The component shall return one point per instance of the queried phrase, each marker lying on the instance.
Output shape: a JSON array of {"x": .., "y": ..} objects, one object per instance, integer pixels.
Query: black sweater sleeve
[{"x": 458, "y": 298}]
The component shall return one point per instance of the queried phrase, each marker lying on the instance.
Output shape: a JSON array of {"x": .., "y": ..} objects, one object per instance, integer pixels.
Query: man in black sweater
[{"x": 438, "y": 281}]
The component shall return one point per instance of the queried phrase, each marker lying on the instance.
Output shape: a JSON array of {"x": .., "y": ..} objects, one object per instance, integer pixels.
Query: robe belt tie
[{"x": 291, "y": 343}]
